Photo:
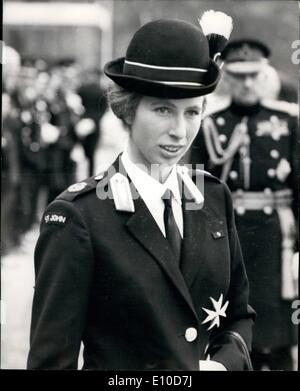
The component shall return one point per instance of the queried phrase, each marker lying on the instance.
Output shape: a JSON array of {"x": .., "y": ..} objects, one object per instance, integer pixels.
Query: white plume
[{"x": 216, "y": 22}]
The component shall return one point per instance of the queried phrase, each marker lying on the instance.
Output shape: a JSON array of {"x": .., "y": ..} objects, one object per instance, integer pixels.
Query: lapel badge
[
  {"x": 77, "y": 187},
  {"x": 217, "y": 234},
  {"x": 214, "y": 316},
  {"x": 121, "y": 193}
]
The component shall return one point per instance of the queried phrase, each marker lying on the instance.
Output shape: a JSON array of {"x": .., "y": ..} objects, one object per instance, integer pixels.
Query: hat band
[
  {"x": 174, "y": 75},
  {"x": 140, "y": 64},
  {"x": 179, "y": 83},
  {"x": 245, "y": 66}
]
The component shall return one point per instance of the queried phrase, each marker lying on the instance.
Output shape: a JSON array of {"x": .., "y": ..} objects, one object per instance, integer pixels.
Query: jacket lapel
[
  {"x": 195, "y": 253},
  {"x": 145, "y": 230},
  {"x": 194, "y": 227}
]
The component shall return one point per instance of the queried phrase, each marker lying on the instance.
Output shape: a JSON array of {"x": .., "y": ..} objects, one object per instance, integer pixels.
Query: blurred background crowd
[
  {"x": 56, "y": 126},
  {"x": 51, "y": 116}
]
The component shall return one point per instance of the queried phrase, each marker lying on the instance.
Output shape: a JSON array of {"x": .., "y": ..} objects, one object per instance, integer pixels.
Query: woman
[{"x": 147, "y": 279}]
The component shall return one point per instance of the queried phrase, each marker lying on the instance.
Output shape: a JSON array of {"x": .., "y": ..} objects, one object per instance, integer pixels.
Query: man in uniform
[
  {"x": 31, "y": 152},
  {"x": 10, "y": 170},
  {"x": 251, "y": 144},
  {"x": 93, "y": 101}
]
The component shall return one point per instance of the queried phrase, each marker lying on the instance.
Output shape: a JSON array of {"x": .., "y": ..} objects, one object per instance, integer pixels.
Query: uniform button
[
  {"x": 222, "y": 138},
  {"x": 274, "y": 154},
  {"x": 26, "y": 116},
  {"x": 41, "y": 105},
  {"x": 271, "y": 172},
  {"x": 267, "y": 190},
  {"x": 191, "y": 334},
  {"x": 233, "y": 175},
  {"x": 268, "y": 210},
  {"x": 77, "y": 187},
  {"x": 34, "y": 147},
  {"x": 240, "y": 210},
  {"x": 220, "y": 121}
]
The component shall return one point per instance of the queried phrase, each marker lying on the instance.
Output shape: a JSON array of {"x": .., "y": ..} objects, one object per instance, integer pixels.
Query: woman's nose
[{"x": 178, "y": 128}]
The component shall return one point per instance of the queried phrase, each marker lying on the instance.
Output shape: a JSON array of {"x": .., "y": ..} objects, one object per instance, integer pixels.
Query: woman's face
[{"x": 163, "y": 129}]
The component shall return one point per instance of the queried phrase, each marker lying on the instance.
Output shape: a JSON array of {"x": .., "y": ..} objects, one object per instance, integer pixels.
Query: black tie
[{"x": 172, "y": 231}]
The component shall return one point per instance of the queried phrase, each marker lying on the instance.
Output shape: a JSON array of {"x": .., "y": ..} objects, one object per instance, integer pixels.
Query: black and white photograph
[{"x": 150, "y": 187}]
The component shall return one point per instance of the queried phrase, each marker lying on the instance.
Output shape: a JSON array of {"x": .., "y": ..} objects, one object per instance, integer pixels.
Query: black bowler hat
[
  {"x": 167, "y": 58},
  {"x": 245, "y": 56}
]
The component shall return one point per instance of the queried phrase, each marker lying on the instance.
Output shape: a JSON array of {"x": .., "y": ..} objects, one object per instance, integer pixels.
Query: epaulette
[
  {"x": 281, "y": 105},
  {"x": 79, "y": 188},
  {"x": 217, "y": 107}
]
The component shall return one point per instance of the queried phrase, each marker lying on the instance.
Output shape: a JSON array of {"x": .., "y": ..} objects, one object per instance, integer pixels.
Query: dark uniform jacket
[
  {"x": 107, "y": 277},
  {"x": 262, "y": 173}
]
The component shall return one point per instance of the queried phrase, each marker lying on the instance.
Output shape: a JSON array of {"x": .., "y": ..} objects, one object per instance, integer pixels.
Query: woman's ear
[
  {"x": 128, "y": 118},
  {"x": 128, "y": 121}
]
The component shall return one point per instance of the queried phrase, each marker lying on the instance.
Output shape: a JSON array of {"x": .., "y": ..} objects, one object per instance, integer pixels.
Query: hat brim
[{"x": 114, "y": 70}]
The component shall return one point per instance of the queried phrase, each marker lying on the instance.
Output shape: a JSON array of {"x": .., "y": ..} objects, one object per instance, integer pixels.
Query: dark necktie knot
[{"x": 167, "y": 198}]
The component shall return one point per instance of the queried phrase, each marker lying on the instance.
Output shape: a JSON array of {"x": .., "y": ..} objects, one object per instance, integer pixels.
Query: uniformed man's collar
[{"x": 241, "y": 109}]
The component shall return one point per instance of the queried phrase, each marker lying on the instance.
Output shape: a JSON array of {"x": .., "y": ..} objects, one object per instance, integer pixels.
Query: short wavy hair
[{"x": 123, "y": 103}]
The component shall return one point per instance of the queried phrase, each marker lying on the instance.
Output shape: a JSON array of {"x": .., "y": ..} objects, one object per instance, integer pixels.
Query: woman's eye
[
  {"x": 162, "y": 110},
  {"x": 193, "y": 113}
]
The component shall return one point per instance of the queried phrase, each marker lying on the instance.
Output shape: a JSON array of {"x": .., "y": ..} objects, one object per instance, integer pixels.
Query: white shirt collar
[
  {"x": 147, "y": 186},
  {"x": 172, "y": 184},
  {"x": 151, "y": 191}
]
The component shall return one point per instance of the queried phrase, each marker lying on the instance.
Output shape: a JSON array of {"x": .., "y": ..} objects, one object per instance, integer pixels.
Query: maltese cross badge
[{"x": 214, "y": 316}]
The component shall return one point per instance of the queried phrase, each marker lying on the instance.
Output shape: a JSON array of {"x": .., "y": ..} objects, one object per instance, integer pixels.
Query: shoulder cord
[{"x": 239, "y": 138}]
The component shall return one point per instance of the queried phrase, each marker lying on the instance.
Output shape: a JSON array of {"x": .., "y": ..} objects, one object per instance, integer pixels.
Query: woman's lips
[{"x": 171, "y": 148}]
